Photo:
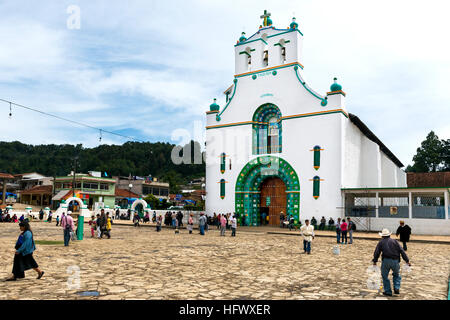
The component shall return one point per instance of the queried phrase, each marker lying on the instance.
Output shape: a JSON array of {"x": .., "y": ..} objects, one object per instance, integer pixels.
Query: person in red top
[{"x": 344, "y": 231}]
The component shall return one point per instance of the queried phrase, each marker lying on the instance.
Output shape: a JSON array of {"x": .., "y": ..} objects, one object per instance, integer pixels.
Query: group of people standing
[
  {"x": 342, "y": 228},
  {"x": 101, "y": 225},
  {"x": 174, "y": 219}
]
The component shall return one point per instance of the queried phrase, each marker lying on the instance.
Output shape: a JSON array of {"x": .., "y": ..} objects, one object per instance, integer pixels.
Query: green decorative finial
[
  {"x": 335, "y": 86},
  {"x": 294, "y": 25},
  {"x": 214, "y": 106},
  {"x": 242, "y": 38},
  {"x": 267, "y": 21}
]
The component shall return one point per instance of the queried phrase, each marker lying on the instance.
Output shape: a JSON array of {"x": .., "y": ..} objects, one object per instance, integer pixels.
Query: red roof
[
  {"x": 200, "y": 192},
  {"x": 124, "y": 193},
  {"x": 6, "y": 176},
  {"x": 38, "y": 190}
]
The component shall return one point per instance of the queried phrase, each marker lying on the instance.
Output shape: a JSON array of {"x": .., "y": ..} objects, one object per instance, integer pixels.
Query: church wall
[
  {"x": 352, "y": 155},
  {"x": 401, "y": 178},
  {"x": 299, "y": 138},
  {"x": 236, "y": 143},
  {"x": 388, "y": 172},
  {"x": 370, "y": 158}
]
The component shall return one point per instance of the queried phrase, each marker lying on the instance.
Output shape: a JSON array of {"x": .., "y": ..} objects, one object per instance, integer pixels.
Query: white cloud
[{"x": 154, "y": 66}]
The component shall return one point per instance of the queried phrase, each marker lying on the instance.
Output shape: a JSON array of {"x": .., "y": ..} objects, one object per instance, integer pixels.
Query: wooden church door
[{"x": 273, "y": 199}]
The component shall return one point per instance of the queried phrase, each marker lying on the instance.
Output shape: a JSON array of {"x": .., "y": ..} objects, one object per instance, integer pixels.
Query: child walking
[{"x": 93, "y": 226}]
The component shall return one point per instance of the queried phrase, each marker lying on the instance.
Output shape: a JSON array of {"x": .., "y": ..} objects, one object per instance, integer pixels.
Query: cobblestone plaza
[{"x": 139, "y": 263}]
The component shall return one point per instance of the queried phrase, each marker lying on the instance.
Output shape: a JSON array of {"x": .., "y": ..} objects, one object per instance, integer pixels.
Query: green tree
[
  {"x": 152, "y": 201},
  {"x": 430, "y": 155}
]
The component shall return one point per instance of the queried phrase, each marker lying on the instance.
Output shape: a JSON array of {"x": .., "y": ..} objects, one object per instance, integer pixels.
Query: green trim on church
[
  {"x": 323, "y": 100},
  {"x": 229, "y": 101},
  {"x": 248, "y": 184},
  {"x": 271, "y": 36}
]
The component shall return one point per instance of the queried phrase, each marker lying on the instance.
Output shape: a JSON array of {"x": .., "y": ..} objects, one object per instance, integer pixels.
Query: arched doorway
[
  {"x": 75, "y": 203},
  {"x": 250, "y": 181},
  {"x": 273, "y": 201},
  {"x": 140, "y": 206}
]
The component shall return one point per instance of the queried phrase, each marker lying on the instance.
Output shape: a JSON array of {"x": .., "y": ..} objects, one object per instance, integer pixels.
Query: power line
[{"x": 69, "y": 120}]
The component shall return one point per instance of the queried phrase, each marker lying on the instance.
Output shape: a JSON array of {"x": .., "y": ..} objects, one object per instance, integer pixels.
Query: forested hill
[{"x": 136, "y": 158}]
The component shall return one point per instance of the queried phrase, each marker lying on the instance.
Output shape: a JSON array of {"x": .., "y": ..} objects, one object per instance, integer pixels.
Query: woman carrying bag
[{"x": 23, "y": 259}]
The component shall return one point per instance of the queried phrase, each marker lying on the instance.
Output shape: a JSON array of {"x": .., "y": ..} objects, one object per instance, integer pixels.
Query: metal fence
[{"x": 395, "y": 205}]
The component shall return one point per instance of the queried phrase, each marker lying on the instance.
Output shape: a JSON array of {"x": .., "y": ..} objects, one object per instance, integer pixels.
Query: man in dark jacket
[
  {"x": 404, "y": 231},
  {"x": 102, "y": 223},
  {"x": 390, "y": 251}
]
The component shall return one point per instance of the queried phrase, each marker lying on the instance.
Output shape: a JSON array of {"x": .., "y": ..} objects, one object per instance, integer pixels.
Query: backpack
[
  {"x": 68, "y": 226},
  {"x": 353, "y": 226}
]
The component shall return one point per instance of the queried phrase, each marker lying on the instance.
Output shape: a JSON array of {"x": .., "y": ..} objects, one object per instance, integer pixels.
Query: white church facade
[{"x": 276, "y": 145}]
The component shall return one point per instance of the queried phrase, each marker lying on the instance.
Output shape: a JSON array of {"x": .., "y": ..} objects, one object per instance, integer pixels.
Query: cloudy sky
[{"x": 150, "y": 68}]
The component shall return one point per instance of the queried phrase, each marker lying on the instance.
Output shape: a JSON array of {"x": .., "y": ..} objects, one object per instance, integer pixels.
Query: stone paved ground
[{"x": 143, "y": 264}]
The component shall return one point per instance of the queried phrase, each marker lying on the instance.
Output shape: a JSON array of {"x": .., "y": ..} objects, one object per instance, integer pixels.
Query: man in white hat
[
  {"x": 68, "y": 226},
  {"x": 390, "y": 251}
]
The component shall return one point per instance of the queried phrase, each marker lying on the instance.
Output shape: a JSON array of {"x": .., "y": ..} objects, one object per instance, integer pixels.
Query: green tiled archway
[{"x": 249, "y": 182}]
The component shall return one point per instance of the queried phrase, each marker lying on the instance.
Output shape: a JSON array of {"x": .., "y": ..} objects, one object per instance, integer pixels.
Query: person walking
[
  {"x": 92, "y": 224},
  {"x": 233, "y": 226},
  {"x": 102, "y": 223},
  {"x": 57, "y": 220},
  {"x": 97, "y": 226},
  {"x": 41, "y": 214},
  {"x": 190, "y": 225},
  {"x": 136, "y": 219},
  {"x": 180, "y": 218},
  {"x": 223, "y": 224},
  {"x": 405, "y": 232},
  {"x": 338, "y": 230},
  {"x": 174, "y": 220},
  {"x": 344, "y": 227},
  {"x": 390, "y": 251},
  {"x": 68, "y": 227},
  {"x": 351, "y": 227},
  {"x": 50, "y": 215},
  {"x": 218, "y": 221},
  {"x": 307, "y": 231},
  {"x": 23, "y": 258},
  {"x": 281, "y": 219},
  {"x": 108, "y": 226},
  {"x": 159, "y": 221},
  {"x": 202, "y": 223}
]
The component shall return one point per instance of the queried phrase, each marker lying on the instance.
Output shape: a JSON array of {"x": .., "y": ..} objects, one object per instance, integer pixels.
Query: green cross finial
[{"x": 265, "y": 16}]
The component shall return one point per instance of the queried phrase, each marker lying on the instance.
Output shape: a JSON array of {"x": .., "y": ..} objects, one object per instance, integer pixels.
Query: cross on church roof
[{"x": 265, "y": 16}]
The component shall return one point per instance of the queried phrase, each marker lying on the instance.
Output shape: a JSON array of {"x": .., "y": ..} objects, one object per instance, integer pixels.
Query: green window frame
[
  {"x": 316, "y": 187},
  {"x": 222, "y": 188},
  {"x": 317, "y": 150},
  {"x": 223, "y": 158}
]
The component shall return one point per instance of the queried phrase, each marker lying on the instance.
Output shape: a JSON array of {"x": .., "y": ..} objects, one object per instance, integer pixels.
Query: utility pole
[{"x": 74, "y": 173}]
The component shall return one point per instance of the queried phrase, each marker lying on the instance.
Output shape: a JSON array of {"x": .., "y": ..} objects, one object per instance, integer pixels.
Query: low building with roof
[{"x": 92, "y": 189}]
